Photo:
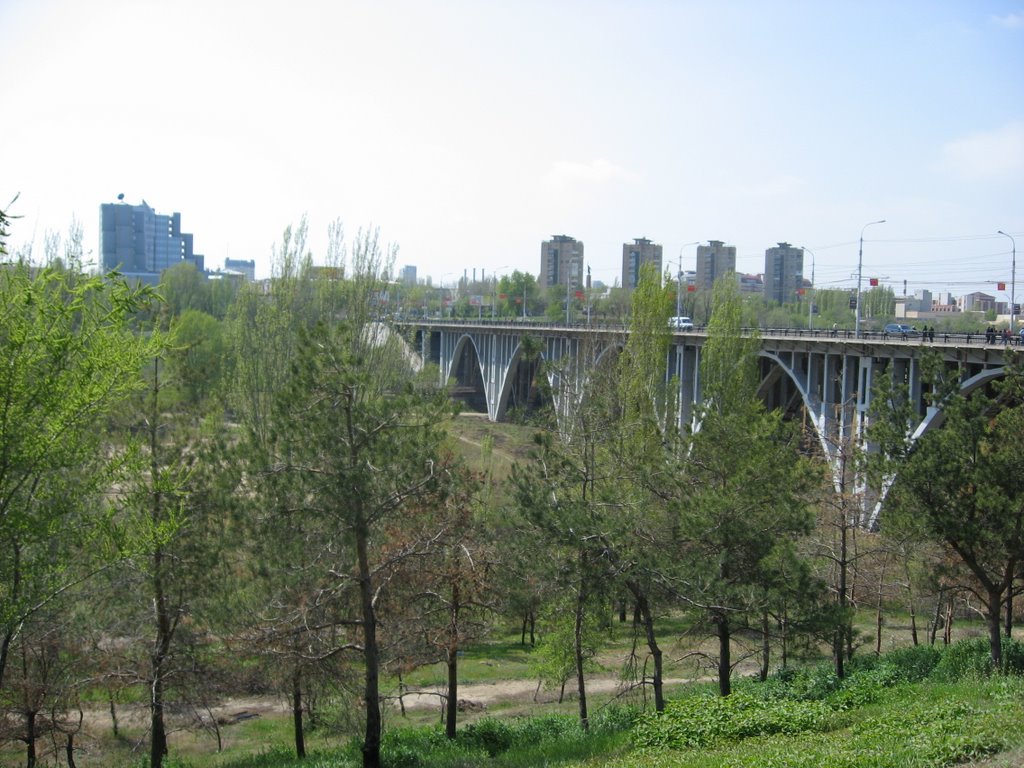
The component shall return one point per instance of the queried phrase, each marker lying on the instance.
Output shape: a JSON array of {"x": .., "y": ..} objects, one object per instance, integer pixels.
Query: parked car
[
  {"x": 899, "y": 329},
  {"x": 680, "y": 323}
]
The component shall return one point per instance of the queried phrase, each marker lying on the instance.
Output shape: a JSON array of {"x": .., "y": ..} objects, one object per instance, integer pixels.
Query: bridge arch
[
  {"x": 466, "y": 368},
  {"x": 935, "y": 416}
]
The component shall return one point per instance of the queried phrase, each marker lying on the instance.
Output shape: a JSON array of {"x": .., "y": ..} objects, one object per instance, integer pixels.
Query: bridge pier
[{"x": 829, "y": 380}]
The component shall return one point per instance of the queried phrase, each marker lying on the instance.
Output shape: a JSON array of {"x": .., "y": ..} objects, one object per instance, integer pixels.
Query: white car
[{"x": 680, "y": 323}]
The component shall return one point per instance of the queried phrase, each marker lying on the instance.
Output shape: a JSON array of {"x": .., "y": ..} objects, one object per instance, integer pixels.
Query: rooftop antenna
[{"x": 120, "y": 198}]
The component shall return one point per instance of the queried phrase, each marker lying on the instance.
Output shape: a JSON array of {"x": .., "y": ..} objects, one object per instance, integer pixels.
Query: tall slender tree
[
  {"x": 746, "y": 486},
  {"x": 963, "y": 480},
  {"x": 70, "y": 358}
]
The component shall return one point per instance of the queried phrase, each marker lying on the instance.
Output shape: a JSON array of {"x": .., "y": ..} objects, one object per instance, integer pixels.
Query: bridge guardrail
[{"x": 845, "y": 334}]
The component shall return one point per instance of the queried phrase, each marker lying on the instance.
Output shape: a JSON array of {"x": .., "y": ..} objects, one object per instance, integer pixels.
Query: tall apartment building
[
  {"x": 244, "y": 267},
  {"x": 141, "y": 243},
  {"x": 561, "y": 262},
  {"x": 408, "y": 275},
  {"x": 714, "y": 260},
  {"x": 783, "y": 273},
  {"x": 634, "y": 255}
]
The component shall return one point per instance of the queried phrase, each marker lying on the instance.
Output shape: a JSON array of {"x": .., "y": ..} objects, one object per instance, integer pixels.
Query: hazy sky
[{"x": 468, "y": 132}]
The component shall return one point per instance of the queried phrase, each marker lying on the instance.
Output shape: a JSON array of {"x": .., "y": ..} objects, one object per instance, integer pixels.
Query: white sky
[{"x": 470, "y": 131}]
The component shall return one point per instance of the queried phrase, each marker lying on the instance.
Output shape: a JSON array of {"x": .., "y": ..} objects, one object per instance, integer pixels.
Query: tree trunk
[
  {"x": 113, "y": 712},
  {"x": 158, "y": 736},
  {"x": 766, "y": 647},
  {"x": 839, "y": 637},
  {"x": 581, "y": 684},
  {"x": 1008, "y": 629},
  {"x": 784, "y": 638},
  {"x": 878, "y": 609},
  {"x": 371, "y": 654},
  {"x": 724, "y": 658},
  {"x": 947, "y": 624},
  {"x": 910, "y": 602},
  {"x": 993, "y": 619},
  {"x": 851, "y": 596},
  {"x": 30, "y": 739},
  {"x": 300, "y": 738},
  {"x": 164, "y": 622},
  {"x": 158, "y": 660},
  {"x": 913, "y": 625},
  {"x": 643, "y": 606},
  {"x": 13, "y": 594},
  {"x": 69, "y": 750},
  {"x": 933, "y": 631},
  {"x": 452, "y": 658}
]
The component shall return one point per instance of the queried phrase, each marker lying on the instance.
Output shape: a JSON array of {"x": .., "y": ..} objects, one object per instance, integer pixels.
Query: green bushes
[
  {"x": 912, "y": 664},
  {"x": 916, "y": 707},
  {"x": 705, "y": 720},
  {"x": 970, "y": 659}
]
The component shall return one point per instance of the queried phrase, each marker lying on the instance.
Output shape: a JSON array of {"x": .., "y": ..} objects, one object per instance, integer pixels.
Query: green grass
[
  {"x": 501, "y": 658},
  {"x": 901, "y": 711},
  {"x": 804, "y": 717}
]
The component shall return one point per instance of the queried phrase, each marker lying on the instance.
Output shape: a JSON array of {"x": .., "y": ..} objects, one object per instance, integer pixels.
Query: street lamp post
[
  {"x": 810, "y": 299},
  {"x": 860, "y": 273},
  {"x": 1013, "y": 283},
  {"x": 570, "y": 273},
  {"x": 679, "y": 278}
]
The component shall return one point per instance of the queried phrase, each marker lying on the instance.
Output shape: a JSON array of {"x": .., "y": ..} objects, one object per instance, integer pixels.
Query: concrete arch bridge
[{"x": 824, "y": 377}]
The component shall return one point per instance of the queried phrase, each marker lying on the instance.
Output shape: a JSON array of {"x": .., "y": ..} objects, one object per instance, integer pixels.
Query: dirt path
[{"x": 486, "y": 695}]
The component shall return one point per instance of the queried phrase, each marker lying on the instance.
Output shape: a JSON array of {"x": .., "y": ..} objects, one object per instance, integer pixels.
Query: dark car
[{"x": 898, "y": 329}]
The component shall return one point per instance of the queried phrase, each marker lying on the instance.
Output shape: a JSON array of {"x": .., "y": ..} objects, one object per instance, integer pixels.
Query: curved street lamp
[
  {"x": 679, "y": 277},
  {"x": 1013, "y": 283},
  {"x": 860, "y": 272},
  {"x": 810, "y": 300}
]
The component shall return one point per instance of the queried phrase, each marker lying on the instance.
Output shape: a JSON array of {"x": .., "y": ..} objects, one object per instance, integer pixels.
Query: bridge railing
[{"x": 960, "y": 338}]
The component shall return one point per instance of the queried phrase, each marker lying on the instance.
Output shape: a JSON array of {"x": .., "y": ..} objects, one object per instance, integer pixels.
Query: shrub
[
  {"x": 490, "y": 734},
  {"x": 706, "y": 720},
  {"x": 615, "y": 718},
  {"x": 912, "y": 664},
  {"x": 970, "y": 659}
]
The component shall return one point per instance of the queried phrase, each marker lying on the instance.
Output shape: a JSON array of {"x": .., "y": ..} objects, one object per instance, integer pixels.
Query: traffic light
[{"x": 853, "y": 302}]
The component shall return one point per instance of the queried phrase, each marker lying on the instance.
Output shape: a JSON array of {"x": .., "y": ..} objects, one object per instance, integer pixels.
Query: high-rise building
[
  {"x": 408, "y": 275},
  {"x": 714, "y": 260},
  {"x": 634, "y": 255},
  {"x": 141, "y": 243},
  {"x": 244, "y": 267},
  {"x": 561, "y": 262},
  {"x": 783, "y": 273}
]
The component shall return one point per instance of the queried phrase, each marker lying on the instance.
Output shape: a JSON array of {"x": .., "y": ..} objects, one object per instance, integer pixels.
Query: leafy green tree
[
  {"x": 340, "y": 435},
  {"x": 196, "y": 356},
  {"x": 70, "y": 359},
  {"x": 568, "y": 493},
  {"x": 746, "y": 487},
  {"x": 648, "y": 443},
  {"x": 280, "y": 617},
  {"x": 174, "y": 513},
  {"x": 517, "y": 288},
  {"x": 356, "y": 449},
  {"x": 963, "y": 480},
  {"x": 184, "y": 287}
]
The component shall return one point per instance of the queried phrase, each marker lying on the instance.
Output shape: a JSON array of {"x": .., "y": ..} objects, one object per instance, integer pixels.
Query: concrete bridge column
[
  {"x": 563, "y": 370},
  {"x": 496, "y": 371},
  {"x": 687, "y": 368}
]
